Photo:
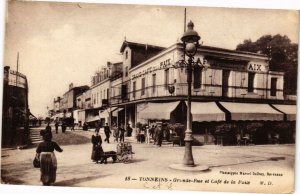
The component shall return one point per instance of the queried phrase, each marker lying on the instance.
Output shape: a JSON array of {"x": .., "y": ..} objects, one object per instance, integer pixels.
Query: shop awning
[
  {"x": 206, "y": 111},
  {"x": 252, "y": 111},
  {"x": 159, "y": 111},
  {"x": 115, "y": 111},
  {"x": 105, "y": 113},
  {"x": 289, "y": 110},
  {"x": 91, "y": 119}
]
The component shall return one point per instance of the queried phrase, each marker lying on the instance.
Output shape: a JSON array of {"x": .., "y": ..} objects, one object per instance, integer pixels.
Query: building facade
[
  {"x": 234, "y": 88},
  {"x": 233, "y": 93},
  {"x": 15, "y": 112}
]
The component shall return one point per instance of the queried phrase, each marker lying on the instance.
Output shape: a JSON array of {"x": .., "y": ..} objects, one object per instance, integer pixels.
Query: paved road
[{"x": 272, "y": 164}]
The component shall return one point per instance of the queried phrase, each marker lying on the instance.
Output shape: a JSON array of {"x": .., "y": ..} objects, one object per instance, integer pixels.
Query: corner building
[{"x": 236, "y": 93}]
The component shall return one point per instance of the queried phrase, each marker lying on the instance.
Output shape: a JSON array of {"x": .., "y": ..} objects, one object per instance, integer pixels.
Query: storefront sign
[
  {"x": 256, "y": 67},
  {"x": 162, "y": 65}
]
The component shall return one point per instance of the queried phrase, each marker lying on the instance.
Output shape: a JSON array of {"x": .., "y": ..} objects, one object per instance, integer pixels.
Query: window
[
  {"x": 133, "y": 89},
  {"x": 273, "y": 86},
  {"x": 251, "y": 76},
  {"x": 97, "y": 98},
  {"x": 153, "y": 83},
  {"x": 167, "y": 78},
  {"x": 126, "y": 55},
  {"x": 143, "y": 86},
  {"x": 107, "y": 93},
  {"x": 126, "y": 71},
  {"x": 197, "y": 77}
]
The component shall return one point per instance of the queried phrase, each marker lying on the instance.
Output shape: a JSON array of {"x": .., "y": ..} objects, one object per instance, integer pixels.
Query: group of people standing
[
  {"x": 156, "y": 132},
  {"x": 118, "y": 133},
  {"x": 64, "y": 123}
]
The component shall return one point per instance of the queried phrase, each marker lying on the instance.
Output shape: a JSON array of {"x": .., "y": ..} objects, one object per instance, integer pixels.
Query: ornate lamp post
[{"x": 190, "y": 41}]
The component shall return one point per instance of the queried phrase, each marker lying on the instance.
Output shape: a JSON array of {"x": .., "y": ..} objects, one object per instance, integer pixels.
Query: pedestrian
[
  {"x": 72, "y": 123},
  {"x": 64, "y": 126},
  {"x": 85, "y": 126},
  {"x": 129, "y": 131},
  {"x": 107, "y": 132},
  {"x": 56, "y": 125},
  {"x": 116, "y": 133},
  {"x": 138, "y": 134},
  {"x": 48, "y": 162},
  {"x": 154, "y": 134},
  {"x": 142, "y": 134},
  {"x": 147, "y": 134},
  {"x": 97, "y": 126},
  {"x": 48, "y": 127},
  {"x": 151, "y": 131},
  {"x": 97, "y": 147},
  {"x": 159, "y": 134},
  {"x": 122, "y": 133}
]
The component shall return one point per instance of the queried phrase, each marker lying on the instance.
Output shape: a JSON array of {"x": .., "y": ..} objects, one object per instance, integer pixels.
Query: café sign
[
  {"x": 162, "y": 65},
  {"x": 257, "y": 67}
]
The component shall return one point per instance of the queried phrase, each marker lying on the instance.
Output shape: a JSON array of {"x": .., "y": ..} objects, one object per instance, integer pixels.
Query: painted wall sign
[{"x": 162, "y": 65}]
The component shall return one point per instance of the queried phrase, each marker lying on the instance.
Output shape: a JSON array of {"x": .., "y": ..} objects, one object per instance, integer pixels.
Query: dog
[{"x": 105, "y": 155}]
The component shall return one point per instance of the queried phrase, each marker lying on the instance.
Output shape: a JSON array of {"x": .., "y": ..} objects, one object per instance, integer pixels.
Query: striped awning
[
  {"x": 158, "y": 111},
  {"x": 206, "y": 111},
  {"x": 289, "y": 110},
  {"x": 252, "y": 111}
]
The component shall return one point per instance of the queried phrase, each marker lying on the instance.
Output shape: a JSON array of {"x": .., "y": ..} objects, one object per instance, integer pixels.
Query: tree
[{"x": 283, "y": 55}]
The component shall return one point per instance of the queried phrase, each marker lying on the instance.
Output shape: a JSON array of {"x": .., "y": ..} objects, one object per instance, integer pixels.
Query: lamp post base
[{"x": 194, "y": 168}]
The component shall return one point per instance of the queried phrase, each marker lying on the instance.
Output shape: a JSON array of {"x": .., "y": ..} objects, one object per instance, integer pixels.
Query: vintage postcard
[{"x": 181, "y": 98}]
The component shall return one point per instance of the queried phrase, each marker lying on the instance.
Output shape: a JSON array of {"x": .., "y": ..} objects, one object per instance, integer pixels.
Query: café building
[{"x": 235, "y": 93}]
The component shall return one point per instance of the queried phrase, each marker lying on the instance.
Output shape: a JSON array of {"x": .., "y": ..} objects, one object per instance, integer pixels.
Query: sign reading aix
[{"x": 257, "y": 67}]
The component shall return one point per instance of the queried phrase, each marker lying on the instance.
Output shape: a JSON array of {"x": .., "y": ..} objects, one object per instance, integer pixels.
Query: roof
[
  {"x": 134, "y": 44},
  {"x": 228, "y": 50}
]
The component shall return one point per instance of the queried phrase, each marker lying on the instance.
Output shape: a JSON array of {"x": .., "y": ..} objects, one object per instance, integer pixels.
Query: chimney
[{"x": 70, "y": 86}]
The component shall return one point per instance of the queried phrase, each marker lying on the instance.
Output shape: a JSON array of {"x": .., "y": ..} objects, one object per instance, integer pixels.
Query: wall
[
  {"x": 98, "y": 93},
  {"x": 212, "y": 81}
]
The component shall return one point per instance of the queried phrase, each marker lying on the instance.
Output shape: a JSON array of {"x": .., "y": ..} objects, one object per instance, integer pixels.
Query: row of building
[{"x": 235, "y": 89}]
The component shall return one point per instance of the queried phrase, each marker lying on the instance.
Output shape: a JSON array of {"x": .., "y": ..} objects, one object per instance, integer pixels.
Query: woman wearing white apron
[{"x": 45, "y": 151}]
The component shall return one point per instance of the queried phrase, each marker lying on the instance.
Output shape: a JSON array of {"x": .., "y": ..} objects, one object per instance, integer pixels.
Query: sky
[{"x": 63, "y": 43}]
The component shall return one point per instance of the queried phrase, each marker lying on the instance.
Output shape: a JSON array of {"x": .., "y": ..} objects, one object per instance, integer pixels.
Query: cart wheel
[{"x": 124, "y": 157}]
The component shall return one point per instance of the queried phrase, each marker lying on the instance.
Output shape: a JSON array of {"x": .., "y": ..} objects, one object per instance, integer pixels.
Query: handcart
[{"x": 124, "y": 152}]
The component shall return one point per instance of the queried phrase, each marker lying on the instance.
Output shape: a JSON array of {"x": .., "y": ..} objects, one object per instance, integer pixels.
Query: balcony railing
[{"x": 206, "y": 90}]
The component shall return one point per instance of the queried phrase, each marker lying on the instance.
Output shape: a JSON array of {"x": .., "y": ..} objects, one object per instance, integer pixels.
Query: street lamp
[{"x": 190, "y": 41}]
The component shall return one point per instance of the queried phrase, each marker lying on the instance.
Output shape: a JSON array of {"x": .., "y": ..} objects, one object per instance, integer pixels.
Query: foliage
[
  {"x": 225, "y": 128},
  {"x": 252, "y": 127},
  {"x": 283, "y": 55},
  {"x": 178, "y": 128}
]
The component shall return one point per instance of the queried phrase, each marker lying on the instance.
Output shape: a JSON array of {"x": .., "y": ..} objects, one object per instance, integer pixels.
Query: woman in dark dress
[
  {"x": 97, "y": 148},
  {"x": 45, "y": 152}
]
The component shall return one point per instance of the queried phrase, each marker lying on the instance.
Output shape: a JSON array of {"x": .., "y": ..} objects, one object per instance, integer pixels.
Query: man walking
[
  {"x": 56, "y": 125},
  {"x": 107, "y": 132},
  {"x": 122, "y": 133}
]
